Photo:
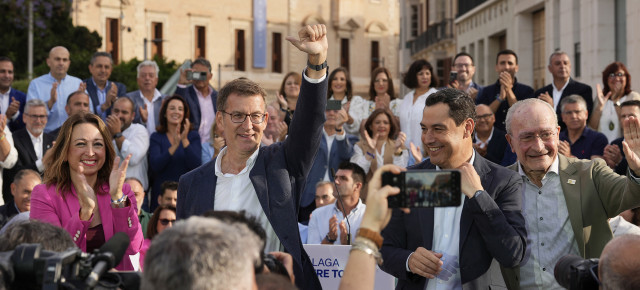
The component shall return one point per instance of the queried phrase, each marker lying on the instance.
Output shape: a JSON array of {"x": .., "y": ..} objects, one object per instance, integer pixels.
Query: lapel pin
[{"x": 571, "y": 181}]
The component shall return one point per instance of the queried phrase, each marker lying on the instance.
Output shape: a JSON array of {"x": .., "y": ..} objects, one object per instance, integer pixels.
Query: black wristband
[
  {"x": 117, "y": 135},
  {"x": 329, "y": 239},
  {"x": 317, "y": 67}
]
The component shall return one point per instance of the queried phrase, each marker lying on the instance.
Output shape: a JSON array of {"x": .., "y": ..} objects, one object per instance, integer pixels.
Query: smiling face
[
  {"x": 507, "y": 62},
  {"x": 448, "y": 145},
  {"x": 77, "y": 103},
  {"x": 424, "y": 78},
  {"x": 465, "y": 68},
  {"x": 35, "y": 119},
  {"x": 618, "y": 81},
  {"x": 147, "y": 78},
  {"x": 123, "y": 109},
  {"x": 381, "y": 127},
  {"x": 291, "y": 87},
  {"x": 101, "y": 69},
  {"x": 381, "y": 84},
  {"x": 6, "y": 75},
  {"x": 21, "y": 191},
  {"x": 175, "y": 112},
  {"x": 339, "y": 83},
  {"x": 86, "y": 149},
  {"x": 485, "y": 119},
  {"x": 242, "y": 137},
  {"x": 166, "y": 214},
  {"x": 529, "y": 124}
]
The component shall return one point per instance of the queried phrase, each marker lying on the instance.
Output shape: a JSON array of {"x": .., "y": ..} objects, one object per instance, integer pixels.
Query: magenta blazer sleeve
[{"x": 50, "y": 207}]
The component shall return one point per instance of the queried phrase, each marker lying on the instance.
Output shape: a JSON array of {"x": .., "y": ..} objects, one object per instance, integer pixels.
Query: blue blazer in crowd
[
  {"x": 92, "y": 90},
  {"x": 136, "y": 97},
  {"x": 278, "y": 177},
  {"x": 189, "y": 94},
  {"x": 21, "y": 97},
  {"x": 340, "y": 151}
]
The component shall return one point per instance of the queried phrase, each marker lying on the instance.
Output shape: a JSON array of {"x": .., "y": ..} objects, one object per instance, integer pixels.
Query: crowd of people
[{"x": 544, "y": 173}]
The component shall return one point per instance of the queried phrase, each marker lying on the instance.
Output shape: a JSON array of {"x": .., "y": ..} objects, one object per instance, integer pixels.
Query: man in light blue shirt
[{"x": 54, "y": 87}]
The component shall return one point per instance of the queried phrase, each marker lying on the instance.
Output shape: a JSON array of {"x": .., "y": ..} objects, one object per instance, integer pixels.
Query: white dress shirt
[
  {"x": 319, "y": 222},
  {"x": 5, "y": 101},
  {"x": 37, "y": 147},
  {"x": 411, "y": 117},
  {"x": 11, "y": 159},
  {"x": 136, "y": 143},
  {"x": 557, "y": 93},
  {"x": 151, "y": 116},
  {"x": 207, "y": 114}
]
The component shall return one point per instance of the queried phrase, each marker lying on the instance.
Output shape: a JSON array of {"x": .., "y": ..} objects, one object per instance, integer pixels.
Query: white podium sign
[{"x": 329, "y": 262}]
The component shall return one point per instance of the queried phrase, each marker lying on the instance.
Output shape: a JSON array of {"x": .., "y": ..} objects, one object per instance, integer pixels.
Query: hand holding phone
[{"x": 424, "y": 188}]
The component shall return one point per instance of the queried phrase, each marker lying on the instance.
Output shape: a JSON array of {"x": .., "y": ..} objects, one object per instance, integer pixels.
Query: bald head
[
  {"x": 620, "y": 262},
  {"x": 58, "y": 62}
]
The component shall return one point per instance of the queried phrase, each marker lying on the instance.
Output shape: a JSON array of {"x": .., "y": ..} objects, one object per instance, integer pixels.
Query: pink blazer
[{"x": 50, "y": 207}]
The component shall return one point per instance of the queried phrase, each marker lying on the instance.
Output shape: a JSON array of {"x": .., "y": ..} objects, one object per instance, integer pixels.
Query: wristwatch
[
  {"x": 329, "y": 239},
  {"x": 317, "y": 67},
  {"x": 117, "y": 135}
]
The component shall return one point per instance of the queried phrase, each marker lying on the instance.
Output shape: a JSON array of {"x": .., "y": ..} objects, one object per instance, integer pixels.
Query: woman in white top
[
  {"x": 617, "y": 89},
  {"x": 340, "y": 89},
  {"x": 422, "y": 80},
  {"x": 382, "y": 143}
]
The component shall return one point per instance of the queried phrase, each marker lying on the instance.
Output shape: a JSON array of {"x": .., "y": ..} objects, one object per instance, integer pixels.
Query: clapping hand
[
  {"x": 14, "y": 106},
  {"x": 117, "y": 177},
  {"x": 602, "y": 98},
  {"x": 86, "y": 195},
  {"x": 144, "y": 113},
  {"x": 372, "y": 142},
  {"x": 612, "y": 155},
  {"x": 399, "y": 143},
  {"x": 631, "y": 143}
]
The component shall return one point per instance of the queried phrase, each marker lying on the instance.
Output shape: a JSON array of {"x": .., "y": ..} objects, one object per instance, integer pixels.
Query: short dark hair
[
  {"x": 51, "y": 238},
  {"x": 463, "y": 54},
  {"x": 99, "y": 54},
  {"x": 507, "y": 52},
  {"x": 242, "y": 87},
  {"x": 630, "y": 103},
  {"x": 411, "y": 77},
  {"x": 202, "y": 61},
  {"x": 357, "y": 173},
  {"x": 133, "y": 105},
  {"x": 152, "y": 226},
  {"x": 461, "y": 106},
  {"x": 5, "y": 58},
  {"x": 168, "y": 185},
  {"x": 76, "y": 93}
]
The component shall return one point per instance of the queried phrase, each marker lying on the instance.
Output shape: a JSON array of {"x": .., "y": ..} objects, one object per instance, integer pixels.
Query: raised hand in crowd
[
  {"x": 399, "y": 143},
  {"x": 14, "y": 106},
  {"x": 601, "y": 97},
  {"x": 415, "y": 152},
  {"x": 342, "y": 117},
  {"x": 282, "y": 101},
  {"x": 144, "y": 113},
  {"x": 112, "y": 95},
  {"x": 54, "y": 95},
  {"x": 312, "y": 39},
  {"x": 360, "y": 270},
  {"x": 117, "y": 177},
  {"x": 344, "y": 233},
  {"x": 480, "y": 148},
  {"x": 86, "y": 196},
  {"x": 612, "y": 155},
  {"x": 114, "y": 124},
  {"x": 631, "y": 143},
  {"x": 82, "y": 87},
  {"x": 382, "y": 102},
  {"x": 473, "y": 93},
  {"x": 333, "y": 231},
  {"x": 564, "y": 148},
  {"x": 546, "y": 97},
  {"x": 372, "y": 142},
  {"x": 287, "y": 261}
]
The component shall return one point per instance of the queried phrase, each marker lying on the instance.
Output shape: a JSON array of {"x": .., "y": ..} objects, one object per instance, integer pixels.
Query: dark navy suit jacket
[
  {"x": 19, "y": 96},
  {"x": 488, "y": 94},
  {"x": 189, "y": 94},
  {"x": 340, "y": 151},
  {"x": 573, "y": 88},
  {"x": 491, "y": 226},
  {"x": 26, "y": 158},
  {"x": 7, "y": 211},
  {"x": 93, "y": 93},
  {"x": 497, "y": 146},
  {"x": 278, "y": 177},
  {"x": 136, "y": 97}
]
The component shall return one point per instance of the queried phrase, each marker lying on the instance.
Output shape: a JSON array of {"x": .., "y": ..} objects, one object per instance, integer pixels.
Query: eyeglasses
[
  {"x": 165, "y": 222},
  {"x": 619, "y": 74},
  {"x": 381, "y": 81},
  {"x": 43, "y": 117},
  {"x": 484, "y": 117},
  {"x": 569, "y": 113},
  {"x": 255, "y": 118},
  {"x": 544, "y": 136},
  {"x": 463, "y": 65}
]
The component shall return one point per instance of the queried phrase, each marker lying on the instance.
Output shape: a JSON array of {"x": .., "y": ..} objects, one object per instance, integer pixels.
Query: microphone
[
  {"x": 344, "y": 213},
  {"x": 109, "y": 256}
]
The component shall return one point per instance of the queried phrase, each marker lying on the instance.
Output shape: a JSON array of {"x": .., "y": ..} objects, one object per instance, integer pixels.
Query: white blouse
[{"x": 411, "y": 117}]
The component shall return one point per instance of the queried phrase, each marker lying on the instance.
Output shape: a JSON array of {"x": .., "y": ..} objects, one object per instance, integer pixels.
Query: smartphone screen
[
  {"x": 334, "y": 105},
  {"x": 453, "y": 75},
  {"x": 424, "y": 188}
]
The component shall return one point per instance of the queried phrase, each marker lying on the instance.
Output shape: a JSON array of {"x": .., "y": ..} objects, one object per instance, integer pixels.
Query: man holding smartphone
[
  {"x": 453, "y": 247},
  {"x": 200, "y": 96},
  {"x": 462, "y": 72}
]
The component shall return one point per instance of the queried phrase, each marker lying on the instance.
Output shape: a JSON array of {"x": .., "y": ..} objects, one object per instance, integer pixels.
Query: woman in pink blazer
[{"x": 83, "y": 190}]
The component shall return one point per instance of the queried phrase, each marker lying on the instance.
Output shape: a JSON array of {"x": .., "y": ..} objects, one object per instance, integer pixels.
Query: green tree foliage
[{"x": 52, "y": 27}]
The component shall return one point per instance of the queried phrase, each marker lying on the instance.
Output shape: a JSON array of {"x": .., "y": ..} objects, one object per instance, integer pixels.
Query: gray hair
[
  {"x": 151, "y": 63},
  {"x": 99, "y": 54},
  {"x": 35, "y": 103},
  {"x": 527, "y": 103},
  {"x": 573, "y": 99},
  {"x": 556, "y": 53},
  {"x": 204, "y": 253},
  {"x": 619, "y": 263},
  {"x": 323, "y": 183},
  {"x": 23, "y": 173}
]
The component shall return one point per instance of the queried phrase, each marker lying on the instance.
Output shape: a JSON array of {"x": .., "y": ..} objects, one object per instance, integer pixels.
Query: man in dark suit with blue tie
[
  {"x": 102, "y": 91},
  {"x": 11, "y": 100},
  {"x": 563, "y": 85},
  {"x": 25, "y": 141},
  {"x": 265, "y": 181},
  {"x": 453, "y": 247},
  {"x": 200, "y": 96}
]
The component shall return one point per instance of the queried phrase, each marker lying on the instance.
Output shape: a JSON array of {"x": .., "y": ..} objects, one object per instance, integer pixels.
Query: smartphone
[
  {"x": 453, "y": 75},
  {"x": 196, "y": 75},
  {"x": 424, "y": 188},
  {"x": 334, "y": 105}
]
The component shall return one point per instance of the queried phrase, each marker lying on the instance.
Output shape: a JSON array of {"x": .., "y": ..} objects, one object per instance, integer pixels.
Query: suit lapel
[
  {"x": 195, "y": 109},
  {"x": 206, "y": 184},
  {"x": 156, "y": 109},
  {"x": 570, "y": 182},
  {"x": 24, "y": 140},
  {"x": 93, "y": 93},
  {"x": 259, "y": 181}
]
